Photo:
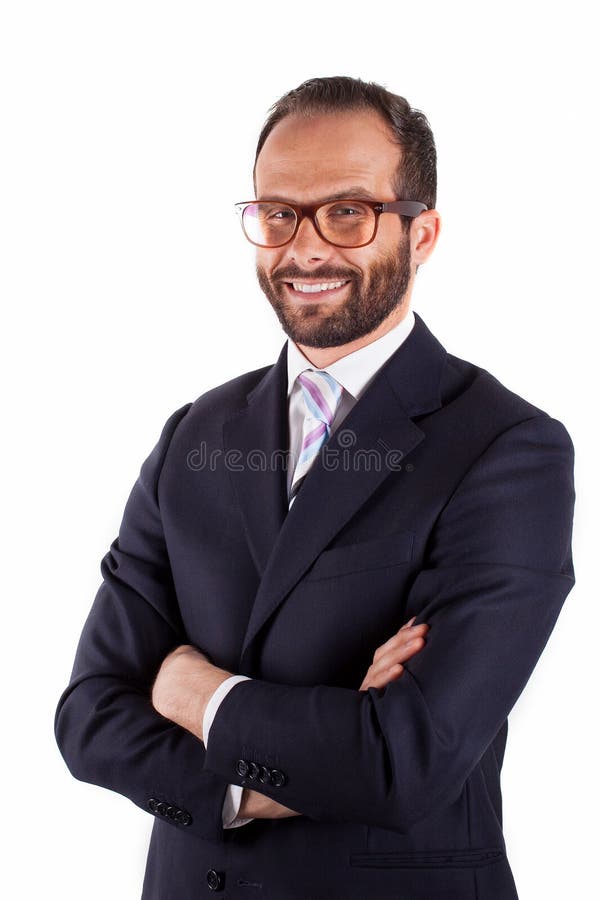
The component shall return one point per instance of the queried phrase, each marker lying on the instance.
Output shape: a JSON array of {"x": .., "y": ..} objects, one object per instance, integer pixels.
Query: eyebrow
[{"x": 351, "y": 193}]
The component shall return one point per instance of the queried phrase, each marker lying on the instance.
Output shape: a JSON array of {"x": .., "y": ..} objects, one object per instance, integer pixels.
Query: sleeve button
[
  {"x": 241, "y": 767},
  {"x": 278, "y": 779}
]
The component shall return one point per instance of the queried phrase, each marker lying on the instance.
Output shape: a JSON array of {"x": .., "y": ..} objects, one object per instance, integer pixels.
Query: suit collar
[{"x": 414, "y": 371}]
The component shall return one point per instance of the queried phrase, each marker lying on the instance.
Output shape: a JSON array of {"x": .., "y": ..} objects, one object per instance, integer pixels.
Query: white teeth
[{"x": 315, "y": 288}]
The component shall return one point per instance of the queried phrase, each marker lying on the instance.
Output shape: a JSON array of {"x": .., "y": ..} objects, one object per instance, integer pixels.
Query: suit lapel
[
  {"x": 379, "y": 428},
  {"x": 255, "y": 440}
]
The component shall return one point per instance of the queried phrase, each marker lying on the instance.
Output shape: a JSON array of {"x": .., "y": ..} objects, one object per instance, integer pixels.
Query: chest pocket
[{"x": 377, "y": 553}]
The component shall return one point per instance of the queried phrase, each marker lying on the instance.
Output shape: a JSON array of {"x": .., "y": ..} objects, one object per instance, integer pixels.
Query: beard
[{"x": 366, "y": 306}]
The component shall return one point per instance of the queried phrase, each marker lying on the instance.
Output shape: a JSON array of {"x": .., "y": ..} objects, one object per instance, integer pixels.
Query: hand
[
  {"x": 185, "y": 683},
  {"x": 255, "y": 805},
  {"x": 388, "y": 659}
]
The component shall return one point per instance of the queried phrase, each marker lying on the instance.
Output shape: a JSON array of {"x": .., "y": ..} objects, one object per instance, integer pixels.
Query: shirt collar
[{"x": 356, "y": 370}]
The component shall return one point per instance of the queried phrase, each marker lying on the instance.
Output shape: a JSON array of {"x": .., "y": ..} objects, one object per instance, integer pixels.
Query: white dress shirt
[{"x": 354, "y": 372}]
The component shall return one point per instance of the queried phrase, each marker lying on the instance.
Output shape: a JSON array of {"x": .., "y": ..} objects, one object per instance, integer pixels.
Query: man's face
[{"x": 307, "y": 161}]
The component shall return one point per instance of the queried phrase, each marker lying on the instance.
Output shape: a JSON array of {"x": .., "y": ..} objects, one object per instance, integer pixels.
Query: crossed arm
[
  {"x": 497, "y": 570},
  {"x": 186, "y": 681}
]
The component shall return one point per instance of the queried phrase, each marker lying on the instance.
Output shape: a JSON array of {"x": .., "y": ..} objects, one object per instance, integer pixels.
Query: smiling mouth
[{"x": 315, "y": 290}]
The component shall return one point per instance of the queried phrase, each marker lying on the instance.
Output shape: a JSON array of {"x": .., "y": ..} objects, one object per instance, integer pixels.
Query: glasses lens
[
  {"x": 269, "y": 224},
  {"x": 347, "y": 223}
]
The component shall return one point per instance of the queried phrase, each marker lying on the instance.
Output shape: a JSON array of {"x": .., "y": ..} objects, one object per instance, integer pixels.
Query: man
[{"x": 304, "y": 671}]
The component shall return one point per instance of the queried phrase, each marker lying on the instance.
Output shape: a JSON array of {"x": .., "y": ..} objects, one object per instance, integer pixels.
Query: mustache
[{"x": 315, "y": 275}]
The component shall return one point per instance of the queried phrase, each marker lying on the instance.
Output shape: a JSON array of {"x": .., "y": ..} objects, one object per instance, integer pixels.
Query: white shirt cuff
[
  {"x": 213, "y": 704},
  {"x": 233, "y": 796},
  {"x": 231, "y": 807}
]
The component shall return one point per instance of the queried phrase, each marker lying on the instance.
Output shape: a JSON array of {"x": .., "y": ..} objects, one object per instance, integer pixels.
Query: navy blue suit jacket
[{"x": 452, "y": 499}]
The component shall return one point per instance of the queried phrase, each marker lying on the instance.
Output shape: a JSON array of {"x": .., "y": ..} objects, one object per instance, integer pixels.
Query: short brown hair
[{"x": 416, "y": 177}]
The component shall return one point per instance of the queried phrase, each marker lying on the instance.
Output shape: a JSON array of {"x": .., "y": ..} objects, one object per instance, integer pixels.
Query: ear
[{"x": 424, "y": 233}]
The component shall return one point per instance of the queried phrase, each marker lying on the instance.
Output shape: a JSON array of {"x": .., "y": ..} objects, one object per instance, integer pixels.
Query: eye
[
  {"x": 279, "y": 214},
  {"x": 346, "y": 210}
]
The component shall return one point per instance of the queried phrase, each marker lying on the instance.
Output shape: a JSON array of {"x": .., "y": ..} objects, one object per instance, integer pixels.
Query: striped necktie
[{"x": 322, "y": 395}]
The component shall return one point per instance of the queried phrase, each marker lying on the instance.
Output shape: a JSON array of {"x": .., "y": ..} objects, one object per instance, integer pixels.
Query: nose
[{"x": 308, "y": 244}]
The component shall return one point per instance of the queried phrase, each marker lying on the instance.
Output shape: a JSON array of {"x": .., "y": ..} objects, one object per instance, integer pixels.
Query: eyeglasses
[{"x": 343, "y": 223}]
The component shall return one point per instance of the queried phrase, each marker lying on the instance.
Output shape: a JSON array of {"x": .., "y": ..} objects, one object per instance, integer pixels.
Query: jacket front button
[
  {"x": 278, "y": 779},
  {"x": 215, "y": 880},
  {"x": 241, "y": 767}
]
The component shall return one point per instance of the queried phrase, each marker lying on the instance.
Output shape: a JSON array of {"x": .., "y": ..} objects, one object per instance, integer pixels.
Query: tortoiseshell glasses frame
[{"x": 410, "y": 208}]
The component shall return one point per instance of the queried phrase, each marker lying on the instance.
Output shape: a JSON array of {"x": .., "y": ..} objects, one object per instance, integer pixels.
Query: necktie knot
[{"x": 322, "y": 395}]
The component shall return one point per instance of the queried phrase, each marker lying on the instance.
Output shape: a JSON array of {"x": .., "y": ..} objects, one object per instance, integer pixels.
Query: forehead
[{"x": 311, "y": 158}]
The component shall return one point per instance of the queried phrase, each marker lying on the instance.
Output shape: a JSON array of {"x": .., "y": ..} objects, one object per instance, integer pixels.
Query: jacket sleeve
[
  {"x": 105, "y": 725},
  {"x": 497, "y": 571}
]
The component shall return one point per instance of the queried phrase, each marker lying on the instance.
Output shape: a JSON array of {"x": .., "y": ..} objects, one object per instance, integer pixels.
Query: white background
[{"x": 128, "y": 132}]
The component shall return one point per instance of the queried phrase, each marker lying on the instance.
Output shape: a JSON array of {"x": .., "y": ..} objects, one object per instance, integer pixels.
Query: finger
[
  {"x": 380, "y": 679},
  {"x": 401, "y": 637},
  {"x": 394, "y": 657},
  {"x": 410, "y": 624},
  {"x": 396, "y": 654}
]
